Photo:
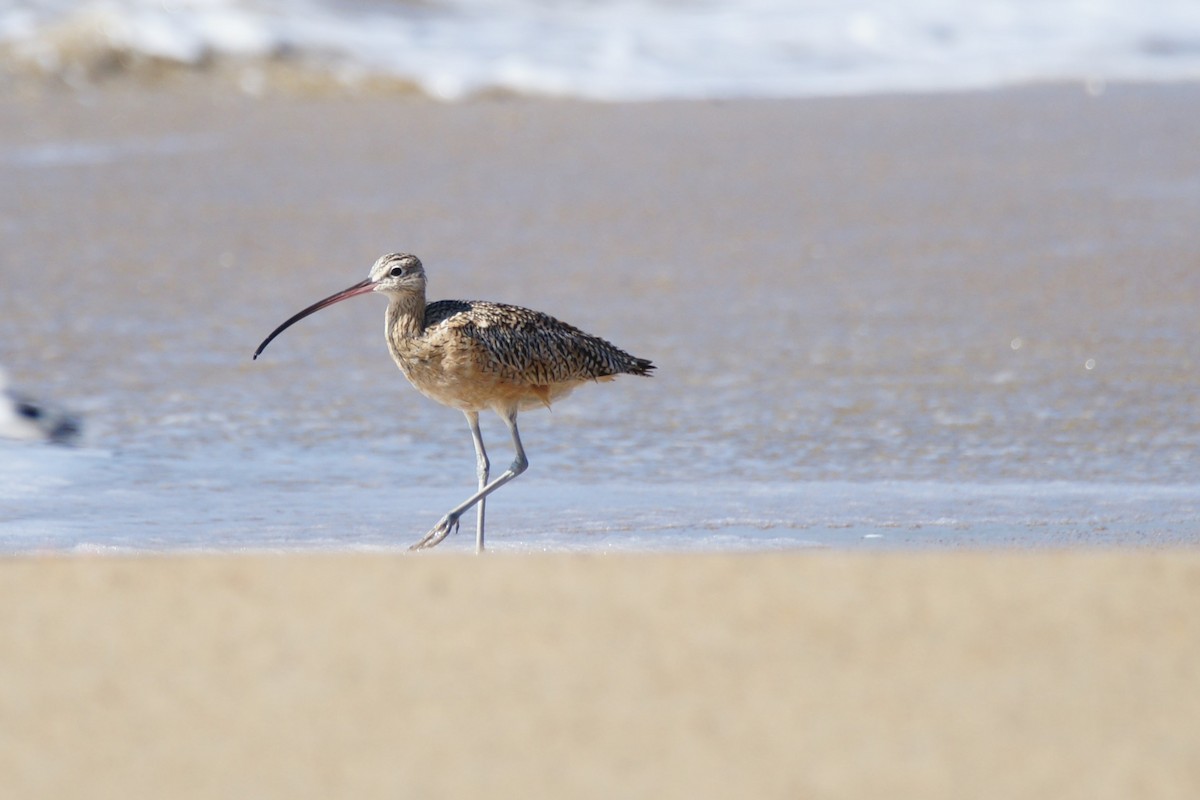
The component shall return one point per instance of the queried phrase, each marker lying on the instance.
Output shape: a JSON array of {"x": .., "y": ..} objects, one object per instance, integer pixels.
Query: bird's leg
[
  {"x": 481, "y": 472},
  {"x": 449, "y": 522}
]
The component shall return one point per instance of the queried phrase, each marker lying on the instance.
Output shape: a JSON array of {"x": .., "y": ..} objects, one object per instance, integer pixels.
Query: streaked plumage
[
  {"x": 521, "y": 344},
  {"x": 474, "y": 355}
]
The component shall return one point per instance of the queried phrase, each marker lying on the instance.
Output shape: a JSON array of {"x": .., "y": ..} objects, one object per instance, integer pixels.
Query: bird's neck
[{"x": 405, "y": 317}]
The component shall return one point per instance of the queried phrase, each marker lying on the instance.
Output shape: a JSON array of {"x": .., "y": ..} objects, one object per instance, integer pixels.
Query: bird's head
[{"x": 396, "y": 275}]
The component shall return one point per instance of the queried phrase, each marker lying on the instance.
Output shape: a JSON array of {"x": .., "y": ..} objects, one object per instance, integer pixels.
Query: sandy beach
[
  {"x": 919, "y": 676},
  {"x": 996, "y": 287}
]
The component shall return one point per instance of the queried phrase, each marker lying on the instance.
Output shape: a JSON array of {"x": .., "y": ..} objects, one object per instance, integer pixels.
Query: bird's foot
[{"x": 446, "y": 526}]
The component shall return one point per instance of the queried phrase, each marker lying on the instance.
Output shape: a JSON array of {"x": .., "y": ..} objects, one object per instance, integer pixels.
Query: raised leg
[
  {"x": 481, "y": 472},
  {"x": 449, "y": 523}
]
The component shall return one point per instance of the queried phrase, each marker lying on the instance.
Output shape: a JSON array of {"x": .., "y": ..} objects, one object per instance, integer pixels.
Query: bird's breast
[{"x": 463, "y": 374}]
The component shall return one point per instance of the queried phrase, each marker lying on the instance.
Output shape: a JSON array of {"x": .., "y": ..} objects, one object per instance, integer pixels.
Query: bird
[
  {"x": 476, "y": 355},
  {"x": 28, "y": 418}
]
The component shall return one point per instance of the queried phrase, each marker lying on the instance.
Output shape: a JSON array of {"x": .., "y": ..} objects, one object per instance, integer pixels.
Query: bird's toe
[{"x": 446, "y": 526}]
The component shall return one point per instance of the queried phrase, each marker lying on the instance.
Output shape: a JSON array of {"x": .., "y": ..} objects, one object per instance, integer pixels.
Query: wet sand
[
  {"x": 780, "y": 676},
  {"x": 985, "y": 287}
]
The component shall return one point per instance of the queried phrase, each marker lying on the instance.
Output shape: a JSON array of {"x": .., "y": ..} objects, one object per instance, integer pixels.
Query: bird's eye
[
  {"x": 396, "y": 272},
  {"x": 29, "y": 411}
]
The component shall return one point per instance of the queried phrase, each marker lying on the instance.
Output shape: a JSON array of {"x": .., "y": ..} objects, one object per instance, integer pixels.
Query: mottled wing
[{"x": 531, "y": 347}]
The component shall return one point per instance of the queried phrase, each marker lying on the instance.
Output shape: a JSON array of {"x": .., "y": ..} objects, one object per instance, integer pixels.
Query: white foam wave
[{"x": 621, "y": 49}]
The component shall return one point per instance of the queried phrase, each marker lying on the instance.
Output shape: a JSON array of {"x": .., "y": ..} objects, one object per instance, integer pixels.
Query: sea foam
[{"x": 617, "y": 50}]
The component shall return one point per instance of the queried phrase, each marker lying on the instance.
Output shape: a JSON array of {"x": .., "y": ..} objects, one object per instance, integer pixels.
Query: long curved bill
[{"x": 362, "y": 287}]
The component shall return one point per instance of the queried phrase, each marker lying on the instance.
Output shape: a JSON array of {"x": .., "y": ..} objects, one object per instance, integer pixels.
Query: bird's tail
[{"x": 640, "y": 366}]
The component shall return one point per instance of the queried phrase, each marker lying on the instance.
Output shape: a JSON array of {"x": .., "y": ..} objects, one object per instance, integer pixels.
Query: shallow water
[
  {"x": 962, "y": 321},
  {"x": 281, "y": 499}
]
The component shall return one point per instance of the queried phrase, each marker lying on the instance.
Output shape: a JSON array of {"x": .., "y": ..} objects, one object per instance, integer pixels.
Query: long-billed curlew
[{"x": 473, "y": 355}]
